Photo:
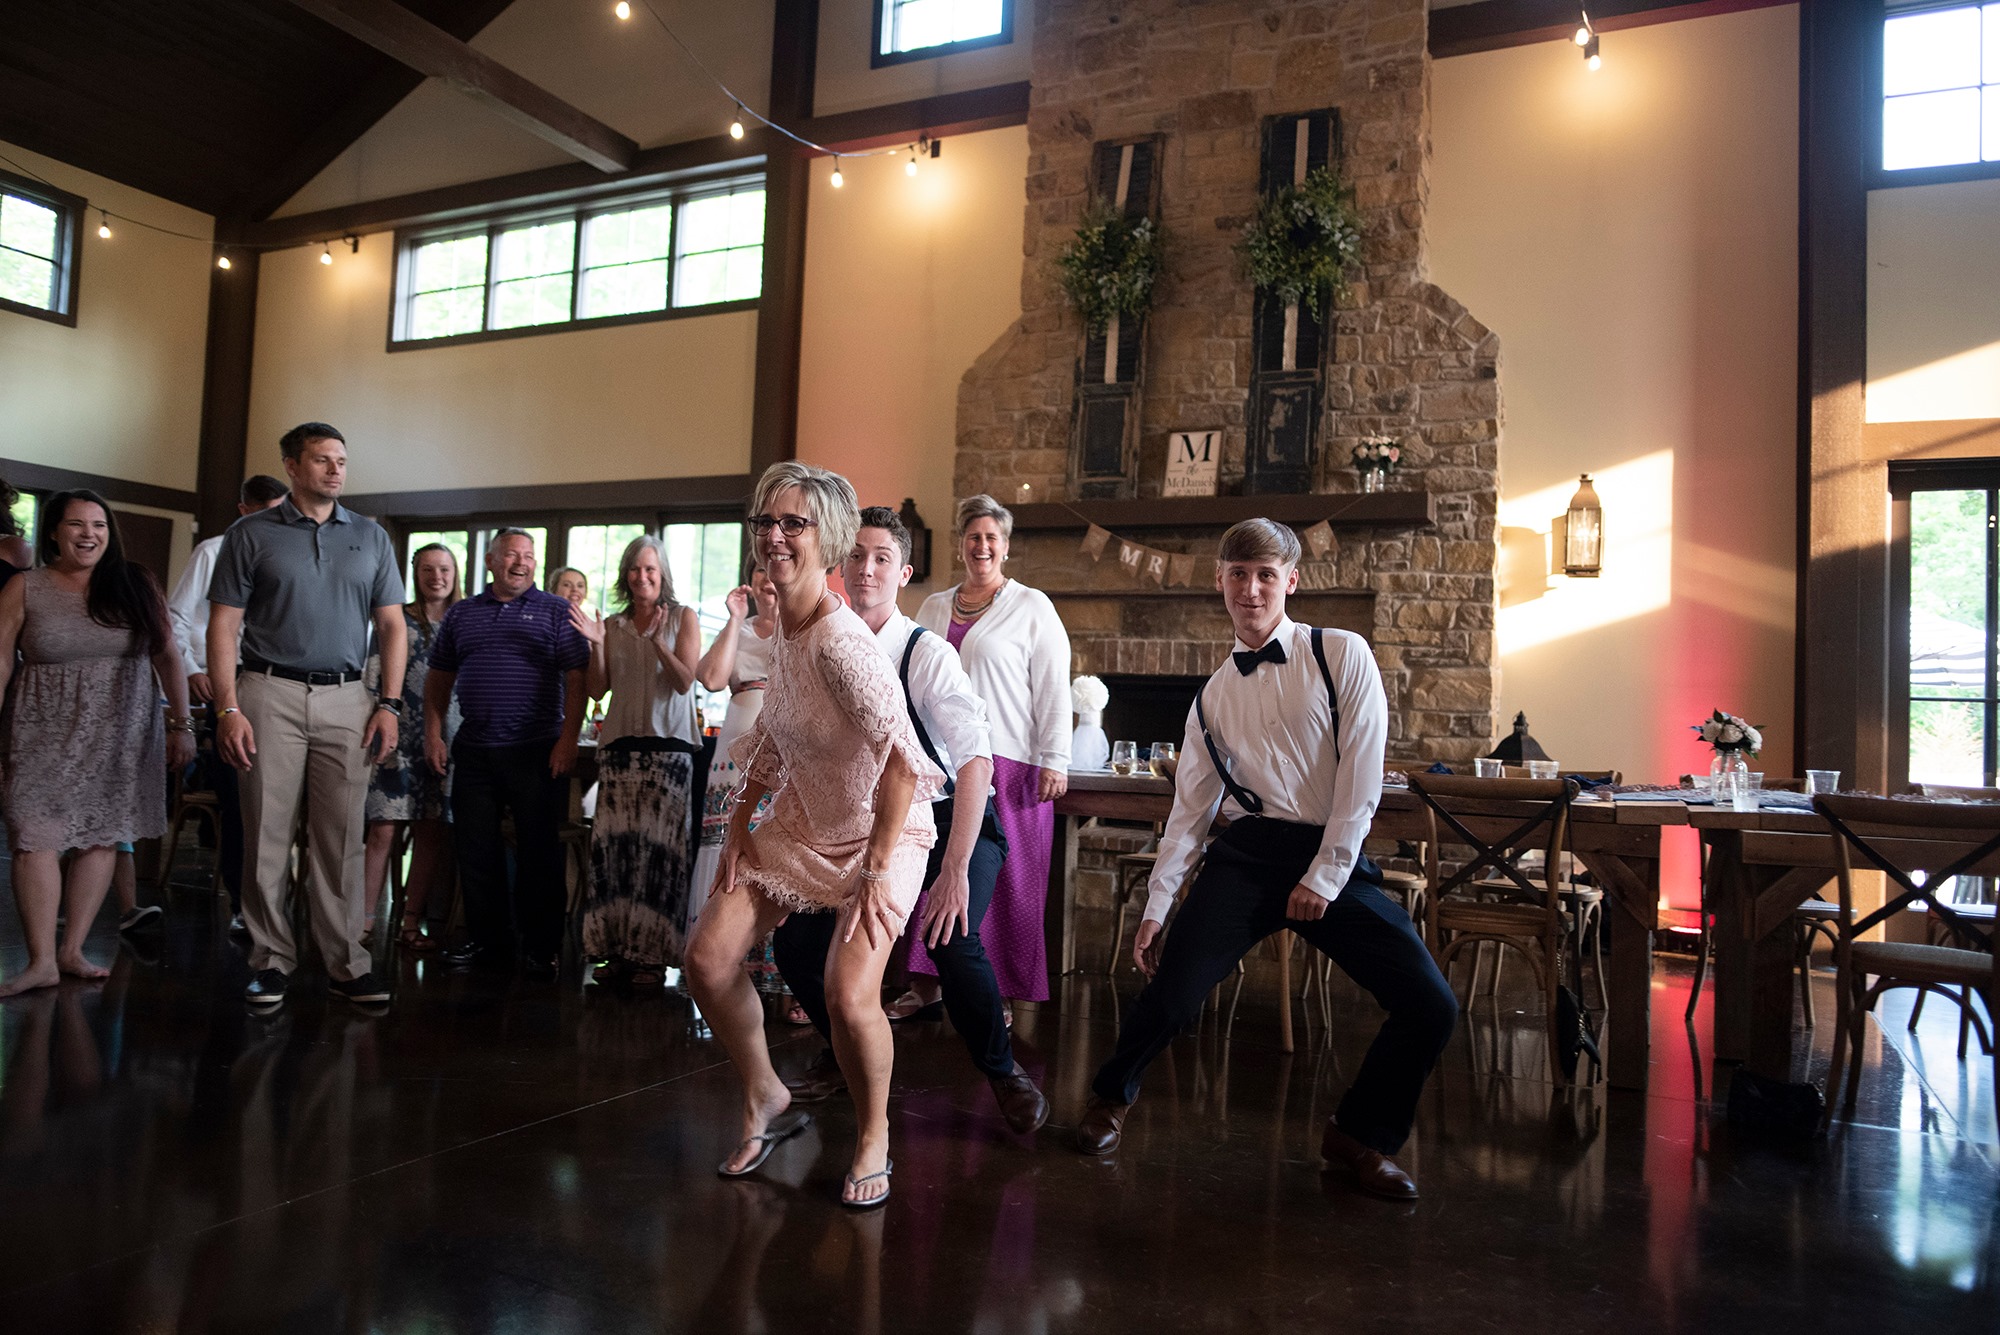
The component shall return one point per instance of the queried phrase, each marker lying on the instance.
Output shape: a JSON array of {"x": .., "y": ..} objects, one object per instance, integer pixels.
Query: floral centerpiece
[
  {"x": 1375, "y": 458},
  {"x": 1111, "y": 267},
  {"x": 1304, "y": 240},
  {"x": 1726, "y": 732}
]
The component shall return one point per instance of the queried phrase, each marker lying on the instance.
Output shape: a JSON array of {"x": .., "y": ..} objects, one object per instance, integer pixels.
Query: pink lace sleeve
[
  {"x": 863, "y": 684},
  {"x": 757, "y": 757}
]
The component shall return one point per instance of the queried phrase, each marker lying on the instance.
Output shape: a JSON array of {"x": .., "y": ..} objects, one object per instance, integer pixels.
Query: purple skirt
[{"x": 1012, "y": 932}]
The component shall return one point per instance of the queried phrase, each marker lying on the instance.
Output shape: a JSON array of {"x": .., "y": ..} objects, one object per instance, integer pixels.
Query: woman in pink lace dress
[{"x": 849, "y": 827}]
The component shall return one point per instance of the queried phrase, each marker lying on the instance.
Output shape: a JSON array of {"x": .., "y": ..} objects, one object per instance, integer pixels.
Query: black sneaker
[
  {"x": 363, "y": 991},
  {"x": 267, "y": 988},
  {"x": 237, "y": 927}
]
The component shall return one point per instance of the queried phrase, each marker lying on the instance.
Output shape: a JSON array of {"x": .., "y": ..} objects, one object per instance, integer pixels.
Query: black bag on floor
[{"x": 1775, "y": 1107}]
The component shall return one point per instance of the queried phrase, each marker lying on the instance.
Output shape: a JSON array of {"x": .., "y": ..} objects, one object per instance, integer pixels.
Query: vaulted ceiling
[{"x": 226, "y": 106}]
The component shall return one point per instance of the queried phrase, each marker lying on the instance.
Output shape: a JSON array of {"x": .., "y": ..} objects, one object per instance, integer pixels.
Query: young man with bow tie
[{"x": 1286, "y": 742}]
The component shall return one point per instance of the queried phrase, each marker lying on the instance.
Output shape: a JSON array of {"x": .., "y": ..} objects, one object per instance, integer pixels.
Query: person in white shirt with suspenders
[
  {"x": 965, "y": 862},
  {"x": 1286, "y": 741}
]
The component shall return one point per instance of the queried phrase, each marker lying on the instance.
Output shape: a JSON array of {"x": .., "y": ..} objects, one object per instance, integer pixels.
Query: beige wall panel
[{"x": 1934, "y": 302}]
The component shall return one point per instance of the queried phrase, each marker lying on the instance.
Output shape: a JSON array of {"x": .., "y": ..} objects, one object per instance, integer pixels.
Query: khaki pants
[{"x": 308, "y": 746}]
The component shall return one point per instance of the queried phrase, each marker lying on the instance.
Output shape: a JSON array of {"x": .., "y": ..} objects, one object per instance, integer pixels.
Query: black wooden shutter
[{"x": 1104, "y": 429}]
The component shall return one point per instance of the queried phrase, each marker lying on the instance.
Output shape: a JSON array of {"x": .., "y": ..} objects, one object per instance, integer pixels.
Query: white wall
[
  {"x": 120, "y": 393},
  {"x": 668, "y": 398},
  {"x": 1934, "y": 302},
  {"x": 1631, "y": 236},
  {"x": 845, "y": 81},
  {"x": 907, "y": 282},
  {"x": 629, "y": 75}
]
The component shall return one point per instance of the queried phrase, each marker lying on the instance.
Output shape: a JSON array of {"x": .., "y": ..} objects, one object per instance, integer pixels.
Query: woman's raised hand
[{"x": 590, "y": 627}]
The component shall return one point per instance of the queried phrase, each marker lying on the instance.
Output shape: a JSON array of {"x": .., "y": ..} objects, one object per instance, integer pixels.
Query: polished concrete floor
[{"x": 500, "y": 1156}]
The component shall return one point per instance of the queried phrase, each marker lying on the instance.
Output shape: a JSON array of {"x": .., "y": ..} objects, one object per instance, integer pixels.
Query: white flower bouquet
[
  {"x": 1727, "y": 732},
  {"x": 1378, "y": 454}
]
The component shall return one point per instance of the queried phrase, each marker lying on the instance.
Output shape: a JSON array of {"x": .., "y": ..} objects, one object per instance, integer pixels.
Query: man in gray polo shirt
[{"x": 302, "y": 582}]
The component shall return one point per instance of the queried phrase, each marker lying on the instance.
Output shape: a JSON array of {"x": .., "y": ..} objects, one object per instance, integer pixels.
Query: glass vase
[
  {"x": 1374, "y": 479},
  {"x": 1722, "y": 772}
]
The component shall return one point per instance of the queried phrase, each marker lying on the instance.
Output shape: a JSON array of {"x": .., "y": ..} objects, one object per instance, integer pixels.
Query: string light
[
  {"x": 736, "y": 123},
  {"x": 103, "y": 225},
  {"x": 326, "y": 252},
  {"x": 222, "y": 261},
  {"x": 838, "y": 179},
  {"x": 1590, "y": 56},
  {"x": 910, "y": 167},
  {"x": 622, "y": 10},
  {"x": 1585, "y": 36}
]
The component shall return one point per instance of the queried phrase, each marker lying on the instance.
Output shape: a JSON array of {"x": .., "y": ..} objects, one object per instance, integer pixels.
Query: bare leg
[
  {"x": 427, "y": 864},
  {"x": 37, "y": 896},
  {"x": 866, "y": 1050},
  {"x": 377, "y": 845},
  {"x": 728, "y": 926},
  {"x": 83, "y": 895},
  {"x": 125, "y": 881}
]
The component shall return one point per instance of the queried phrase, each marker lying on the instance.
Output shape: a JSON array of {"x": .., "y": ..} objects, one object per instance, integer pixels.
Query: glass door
[{"x": 1951, "y": 623}]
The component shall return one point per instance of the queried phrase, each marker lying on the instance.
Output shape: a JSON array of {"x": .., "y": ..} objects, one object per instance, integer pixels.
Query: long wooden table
[{"x": 1618, "y": 841}]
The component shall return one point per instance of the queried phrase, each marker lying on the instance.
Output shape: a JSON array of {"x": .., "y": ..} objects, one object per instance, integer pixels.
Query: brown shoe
[
  {"x": 820, "y": 1081},
  {"x": 1102, "y": 1126},
  {"x": 1023, "y": 1105},
  {"x": 1374, "y": 1172}
]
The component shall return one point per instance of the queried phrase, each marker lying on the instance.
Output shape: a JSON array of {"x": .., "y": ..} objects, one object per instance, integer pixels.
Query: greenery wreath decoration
[
  {"x": 1111, "y": 266},
  {"x": 1304, "y": 240}
]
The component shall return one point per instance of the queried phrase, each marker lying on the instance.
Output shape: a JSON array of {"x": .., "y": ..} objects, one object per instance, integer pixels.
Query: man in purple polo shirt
[{"x": 517, "y": 664}]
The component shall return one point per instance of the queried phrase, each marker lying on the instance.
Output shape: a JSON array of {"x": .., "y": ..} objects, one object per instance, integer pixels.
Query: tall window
[
  {"x": 596, "y": 550},
  {"x": 1941, "y": 88},
  {"x": 920, "y": 29},
  {"x": 1945, "y": 727},
  {"x": 38, "y": 249},
  {"x": 635, "y": 259}
]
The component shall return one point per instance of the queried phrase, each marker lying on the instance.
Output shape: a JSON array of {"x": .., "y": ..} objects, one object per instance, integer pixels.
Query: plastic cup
[
  {"x": 1822, "y": 781},
  {"x": 1544, "y": 769},
  {"x": 1748, "y": 791},
  {"x": 1488, "y": 769}
]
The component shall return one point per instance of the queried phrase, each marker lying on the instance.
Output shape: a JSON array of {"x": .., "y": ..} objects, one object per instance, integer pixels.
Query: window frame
[
  {"x": 70, "y": 210},
  {"x": 493, "y": 223},
  {"x": 1885, "y": 178},
  {"x": 879, "y": 59}
]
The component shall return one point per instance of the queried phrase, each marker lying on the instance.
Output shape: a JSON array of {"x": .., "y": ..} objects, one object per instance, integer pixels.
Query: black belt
[{"x": 309, "y": 678}]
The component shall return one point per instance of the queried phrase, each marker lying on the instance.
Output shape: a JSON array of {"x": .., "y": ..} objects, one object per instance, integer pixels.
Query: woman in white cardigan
[{"x": 1016, "y": 651}]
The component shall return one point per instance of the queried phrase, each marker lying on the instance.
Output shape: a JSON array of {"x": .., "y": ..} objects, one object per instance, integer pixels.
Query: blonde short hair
[
  {"x": 829, "y": 502},
  {"x": 983, "y": 506},
  {"x": 1260, "y": 540}
]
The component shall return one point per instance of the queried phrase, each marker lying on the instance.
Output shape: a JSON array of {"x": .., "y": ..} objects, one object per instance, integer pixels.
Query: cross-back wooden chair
[
  {"x": 1488, "y": 897},
  {"x": 1899, "y": 838}
]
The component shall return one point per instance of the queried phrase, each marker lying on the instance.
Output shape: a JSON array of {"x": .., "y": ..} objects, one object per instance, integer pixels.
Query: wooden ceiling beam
[
  {"x": 1463, "y": 30},
  {"x": 396, "y": 32}
]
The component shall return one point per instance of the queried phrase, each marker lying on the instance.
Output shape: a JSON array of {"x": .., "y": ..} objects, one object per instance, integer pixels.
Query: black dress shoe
[
  {"x": 819, "y": 1082},
  {"x": 1102, "y": 1127},
  {"x": 1024, "y": 1105}
]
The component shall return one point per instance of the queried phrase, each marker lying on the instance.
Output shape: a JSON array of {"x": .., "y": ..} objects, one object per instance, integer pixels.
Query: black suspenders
[
  {"x": 1243, "y": 797},
  {"x": 916, "y": 719}
]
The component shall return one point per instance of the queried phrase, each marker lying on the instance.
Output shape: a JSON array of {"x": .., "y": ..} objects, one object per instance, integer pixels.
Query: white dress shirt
[
  {"x": 187, "y": 606},
  {"x": 1274, "y": 729},
  {"x": 947, "y": 709},
  {"x": 1018, "y": 657}
]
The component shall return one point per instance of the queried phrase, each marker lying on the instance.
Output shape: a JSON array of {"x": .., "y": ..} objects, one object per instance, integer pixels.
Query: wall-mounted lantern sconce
[
  {"x": 1577, "y": 536},
  {"x": 920, "y": 541}
]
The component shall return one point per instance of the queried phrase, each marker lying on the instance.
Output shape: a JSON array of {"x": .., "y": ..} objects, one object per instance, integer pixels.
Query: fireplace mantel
[{"x": 1393, "y": 509}]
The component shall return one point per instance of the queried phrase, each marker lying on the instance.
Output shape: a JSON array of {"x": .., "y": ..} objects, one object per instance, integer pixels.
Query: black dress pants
[
  {"x": 1237, "y": 900},
  {"x": 488, "y": 783},
  {"x": 965, "y": 975}
]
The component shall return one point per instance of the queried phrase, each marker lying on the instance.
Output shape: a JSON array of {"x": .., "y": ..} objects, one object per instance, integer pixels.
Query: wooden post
[{"x": 225, "y": 392}]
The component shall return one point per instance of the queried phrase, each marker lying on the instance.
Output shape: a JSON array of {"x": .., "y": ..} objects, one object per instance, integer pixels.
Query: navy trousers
[
  {"x": 965, "y": 975},
  {"x": 1237, "y": 900}
]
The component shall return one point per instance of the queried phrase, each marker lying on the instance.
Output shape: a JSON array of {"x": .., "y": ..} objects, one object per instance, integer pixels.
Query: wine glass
[
  {"x": 1164, "y": 754},
  {"x": 1124, "y": 757}
]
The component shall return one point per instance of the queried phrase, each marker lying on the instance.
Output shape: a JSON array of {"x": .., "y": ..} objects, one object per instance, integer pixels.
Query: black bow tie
[{"x": 1247, "y": 659}]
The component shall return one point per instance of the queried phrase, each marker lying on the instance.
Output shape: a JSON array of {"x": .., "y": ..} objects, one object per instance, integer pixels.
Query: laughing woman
[
  {"x": 849, "y": 828},
  {"x": 86, "y": 756}
]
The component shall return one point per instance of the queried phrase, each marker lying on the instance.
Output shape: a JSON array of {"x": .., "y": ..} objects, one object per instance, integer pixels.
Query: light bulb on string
[
  {"x": 736, "y": 123},
  {"x": 910, "y": 167},
  {"x": 838, "y": 179},
  {"x": 222, "y": 261},
  {"x": 1590, "y": 56},
  {"x": 103, "y": 225},
  {"x": 1582, "y": 36},
  {"x": 622, "y": 10},
  {"x": 326, "y": 252}
]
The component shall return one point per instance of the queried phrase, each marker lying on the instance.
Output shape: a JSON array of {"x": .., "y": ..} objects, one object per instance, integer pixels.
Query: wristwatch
[{"x": 392, "y": 705}]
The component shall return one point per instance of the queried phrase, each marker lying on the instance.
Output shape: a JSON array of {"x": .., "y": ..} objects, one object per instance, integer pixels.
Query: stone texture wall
[{"x": 1407, "y": 360}]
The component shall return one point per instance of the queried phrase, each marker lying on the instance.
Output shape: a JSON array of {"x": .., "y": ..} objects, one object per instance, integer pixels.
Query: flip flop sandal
[
  {"x": 877, "y": 1202},
  {"x": 782, "y": 1127},
  {"x": 926, "y": 1014}
]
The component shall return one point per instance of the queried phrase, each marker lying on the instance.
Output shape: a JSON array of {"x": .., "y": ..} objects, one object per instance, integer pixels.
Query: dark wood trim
[
  {"x": 430, "y": 50},
  {"x": 878, "y": 58},
  {"x": 1879, "y": 179},
  {"x": 1841, "y": 653},
  {"x": 1396, "y": 508},
  {"x": 25, "y": 476},
  {"x": 466, "y": 504},
  {"x": 1463, "y": 30},
  {"x": 874, "y": 127},
  {"x": 225, "y": 392},
  {"x": 774, "y": 422}
]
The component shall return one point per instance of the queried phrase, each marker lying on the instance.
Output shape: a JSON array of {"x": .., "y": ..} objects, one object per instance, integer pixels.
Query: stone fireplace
[{"x": 1413, "y": 573}]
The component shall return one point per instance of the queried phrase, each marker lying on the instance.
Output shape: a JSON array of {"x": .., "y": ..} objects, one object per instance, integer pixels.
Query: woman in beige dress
[{"x": 849, "y": 828}]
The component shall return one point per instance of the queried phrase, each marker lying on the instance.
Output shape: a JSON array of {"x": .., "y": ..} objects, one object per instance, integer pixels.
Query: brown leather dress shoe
[
  {"x": 1374, "y": 1172},
  {"x": 819, "y": 1082},
  {"x": 1023, "y": 1105},
  {"x": 1102, "y": 1126}
]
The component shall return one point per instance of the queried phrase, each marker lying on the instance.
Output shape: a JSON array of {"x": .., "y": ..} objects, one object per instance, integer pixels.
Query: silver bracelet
[{"x": 867, "y": 875}]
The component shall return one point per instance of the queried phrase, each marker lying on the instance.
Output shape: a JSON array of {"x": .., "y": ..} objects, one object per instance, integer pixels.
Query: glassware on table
[
  {"x": 1544, "y": 769},
  {"x": 1164, "y": 754},
  {"x": 1746, "y": 790},
  {"x": 1124, "y": 757},
  {"x": 1822, "y": 781},
  {"x": 1488, "y": 769}
]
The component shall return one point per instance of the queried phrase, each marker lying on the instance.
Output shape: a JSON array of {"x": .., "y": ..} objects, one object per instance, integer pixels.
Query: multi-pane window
[
  {"x": 596, "y": 550},
  {"x": 915, "y": 29},
  {"x": 1941, "y": 87},
  {"x": 38, "y": 230},
  {"x": 601, "y": 262},
  {"x": 453, "y": 540}
]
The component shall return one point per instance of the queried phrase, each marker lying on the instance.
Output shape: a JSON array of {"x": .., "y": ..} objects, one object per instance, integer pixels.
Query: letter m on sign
[{"x": 1192, "y": 460}]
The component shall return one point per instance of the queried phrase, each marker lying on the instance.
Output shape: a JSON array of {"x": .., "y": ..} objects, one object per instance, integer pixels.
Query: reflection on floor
[{"x": 495, "y": 1156}]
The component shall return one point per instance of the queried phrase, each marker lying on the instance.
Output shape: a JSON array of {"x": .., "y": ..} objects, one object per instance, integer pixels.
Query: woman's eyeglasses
[{"x": 791, "y": 525}]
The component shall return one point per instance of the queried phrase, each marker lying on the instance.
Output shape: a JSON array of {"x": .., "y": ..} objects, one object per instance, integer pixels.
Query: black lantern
[
  {"x": 920, "y": 540},
  {"x": 1578, "y": 534},
  {"x": 1518, "y": 748}
]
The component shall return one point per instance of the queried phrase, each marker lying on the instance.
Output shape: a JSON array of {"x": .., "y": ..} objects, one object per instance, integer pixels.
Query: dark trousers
[
  {"x": 965, "y": 975},
  {"x": 1237, "y": 900},
  {"x": 220, "y": 776},
  {"x": 487, "y": 783}
]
